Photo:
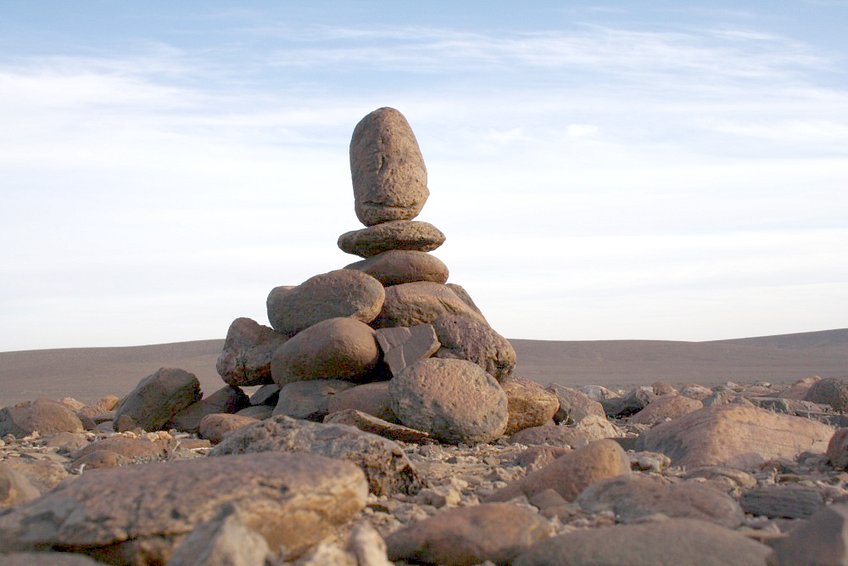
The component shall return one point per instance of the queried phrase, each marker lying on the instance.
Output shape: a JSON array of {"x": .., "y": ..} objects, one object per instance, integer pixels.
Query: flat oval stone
[
  {"x": 411, "y": 235},
  {"x": 387, "y": 169},
  {"x": 340, "y": 293},
  {"x": 453, "y": 400},
  {"x": 395, "y": 267},
  {"x": 337, "y": 348}
]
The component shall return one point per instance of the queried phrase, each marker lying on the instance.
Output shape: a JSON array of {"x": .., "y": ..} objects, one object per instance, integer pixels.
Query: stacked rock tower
[{"x": 386, "y": 335}]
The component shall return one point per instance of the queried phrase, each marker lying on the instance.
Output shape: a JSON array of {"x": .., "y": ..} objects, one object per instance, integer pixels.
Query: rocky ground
[
  {"x": 389, "y": 427},
  {"x": 662, "y": 475}
]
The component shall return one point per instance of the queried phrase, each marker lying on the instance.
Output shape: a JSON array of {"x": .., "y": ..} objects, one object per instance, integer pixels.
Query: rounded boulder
[
  {"x": 338, "y": 348},
  {"x": 453, "y": 400},
  {"x": 387, "y": 169},
  {"x": 340, "y": 293}
]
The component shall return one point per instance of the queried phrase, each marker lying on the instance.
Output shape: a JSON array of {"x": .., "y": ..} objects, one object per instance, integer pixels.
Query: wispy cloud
[{"x": 598, "y": 168}]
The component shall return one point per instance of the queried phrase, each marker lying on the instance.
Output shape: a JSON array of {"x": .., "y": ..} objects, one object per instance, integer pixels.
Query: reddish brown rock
[
  {"x": 664, "y": 408},
  {"x": 471, "y": 339},
  {"x": 453, "y": 400},
  {"x": 246, "y": 357},
  {"x": 387, "y": 169},
  {"x": 395, "y": 267},
  {"x": 681, "y": 542},
  {"x": 337, "y": 348},
  {"x": 571, "y": 473},
  {"x": 157, "y": 398},
  {"x": 734, "y": 435},
  {"x": 228, "y": 399},
  {"x": 528, "y": 404},
  {"x": 340, "y": 293},
  {"x": 371, "y": 398},
  {"x": 495, "y": 532},
  {"x": 411, "y": 235},
  {"x": 403, "y": 346},
  {"x": 139, "y": 514},
  {"x": 42, "y": 415},
  {"x": 420, "y": 303},
  {"x": 215, "y": 428}
]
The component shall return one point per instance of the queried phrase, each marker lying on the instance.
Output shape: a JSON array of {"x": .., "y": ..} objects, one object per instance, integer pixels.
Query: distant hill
[{"x": 89, "y": 373}]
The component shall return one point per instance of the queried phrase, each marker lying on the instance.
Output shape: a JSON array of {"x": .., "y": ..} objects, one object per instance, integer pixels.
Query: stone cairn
[{"x": 387, "y": 335}]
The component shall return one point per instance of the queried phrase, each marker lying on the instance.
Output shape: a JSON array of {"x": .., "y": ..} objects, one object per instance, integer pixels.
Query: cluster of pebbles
[{"x": 388, "y": 428}]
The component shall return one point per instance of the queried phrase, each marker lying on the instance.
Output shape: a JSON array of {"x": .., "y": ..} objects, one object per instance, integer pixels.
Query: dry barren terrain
[{"x": 89, "y": 373}]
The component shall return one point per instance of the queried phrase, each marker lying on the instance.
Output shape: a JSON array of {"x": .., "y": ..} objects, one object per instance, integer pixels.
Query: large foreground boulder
[
  {"x": 453, "y": 400},
  {"x": 158, "y": 397},
  {"x": 340, "y": 293},
  {"x": 734, "y": 435},
  {"x": 385, "y": 464},
  {"x": 387, "y": 169},
  {"x": 138, "y": 514}
]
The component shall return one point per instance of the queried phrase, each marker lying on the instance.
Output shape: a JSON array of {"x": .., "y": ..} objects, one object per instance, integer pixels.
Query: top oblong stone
[{"x": 387, "y": 169}]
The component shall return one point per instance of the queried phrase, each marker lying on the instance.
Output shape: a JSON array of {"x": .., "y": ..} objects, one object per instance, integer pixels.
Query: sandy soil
[{"x": 90, "y": 373}]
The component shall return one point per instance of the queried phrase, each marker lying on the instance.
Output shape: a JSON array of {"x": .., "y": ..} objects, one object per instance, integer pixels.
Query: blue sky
[{"x": 602, "y": 170}]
